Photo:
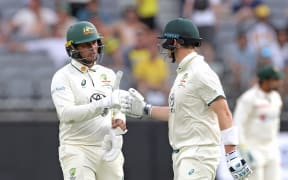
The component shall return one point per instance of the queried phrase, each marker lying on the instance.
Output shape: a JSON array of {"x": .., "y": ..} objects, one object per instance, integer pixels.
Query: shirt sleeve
[
  {"x": 64, "y": 101},
  {"x": 209, "y": 86}
]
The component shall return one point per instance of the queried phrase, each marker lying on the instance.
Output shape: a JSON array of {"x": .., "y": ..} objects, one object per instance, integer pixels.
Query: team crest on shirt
[
  {"x": 104, "y": 79},
  {"x": 183, "y": 80},
  {"x": 72, "y": 173}
]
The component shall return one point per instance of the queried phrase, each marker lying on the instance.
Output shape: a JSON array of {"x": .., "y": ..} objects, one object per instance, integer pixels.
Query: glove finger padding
[
  {"x": 136, "y": 94},
  {"x": 118, "y": 98},
  {"x": 134, "y": 105},
  {"x": 113, "y": 152},
  {"x": 237, "y": 166}
]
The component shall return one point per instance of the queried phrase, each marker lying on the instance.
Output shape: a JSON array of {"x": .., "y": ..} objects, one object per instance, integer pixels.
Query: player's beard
[{"x": 91, "y": 58}]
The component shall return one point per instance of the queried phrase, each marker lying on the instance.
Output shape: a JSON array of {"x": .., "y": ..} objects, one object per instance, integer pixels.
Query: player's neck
[{"x": 182, "y": 53}]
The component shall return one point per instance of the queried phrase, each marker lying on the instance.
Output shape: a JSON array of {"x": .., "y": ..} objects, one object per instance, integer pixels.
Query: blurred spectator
[
  {"x": 113, "y": 55},
  {"x": 284, "y": 90},
  {"x": 243, "y": 11},
  {"x": 151, "y": 75},
  {"x": 77, "y": 5},
  {"x": 65, "y": 20},
  {"x": 203, "y": 15},
  {"x": 90, "y": 9},
  {"x": 147, "y": 11},
  {"x": 53, "y": 46},
  {"x": 210, "y": 57},
  {"x": 139, "y": 51},
  {"x": 3, "y": 36},
  {"x": 242, "y": 62},
  {"x": 32, "y": 21},
  {"x": 125, "y": 28},
  {"x": 262, "y": 35},
  {"x": 264, "y": 57},
  {"x": 282, "y": 37}
]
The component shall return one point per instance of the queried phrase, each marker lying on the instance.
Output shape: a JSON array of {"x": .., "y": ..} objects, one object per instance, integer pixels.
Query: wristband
[
  {"x": 230, "y": 136},
  {"x": 147, "y": 109}
]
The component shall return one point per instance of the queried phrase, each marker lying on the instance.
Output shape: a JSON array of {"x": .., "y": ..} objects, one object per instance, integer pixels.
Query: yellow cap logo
[
  {"x": 68, "y": 43},
  {"x": 88, "y": 30}
]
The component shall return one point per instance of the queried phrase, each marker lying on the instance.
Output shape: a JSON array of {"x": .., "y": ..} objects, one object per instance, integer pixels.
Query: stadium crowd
[
  {"x": 130, "y": 36},
  {"x": 239, "y": 37}
]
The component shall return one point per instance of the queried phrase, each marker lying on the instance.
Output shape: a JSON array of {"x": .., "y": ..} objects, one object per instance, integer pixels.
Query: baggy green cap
[
  {"x": 269, "y": 72},
  {"x": 82, "y": 32},
  {"x": 180, "y": 28}
]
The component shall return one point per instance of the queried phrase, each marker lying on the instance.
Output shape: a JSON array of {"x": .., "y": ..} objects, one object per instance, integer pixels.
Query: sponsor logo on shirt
[
  {"x": 191, "y": 171},
  {"x": 97, "y": 97},
  {"x": 61, "y": 88},
  {"x": 172, "y": 102},
  {"x": 183, "y": 80},
  {"x": 83, "y": 83}
]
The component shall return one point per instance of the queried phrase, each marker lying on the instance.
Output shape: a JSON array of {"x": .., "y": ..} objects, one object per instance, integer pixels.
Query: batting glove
[
  {"x": 238, "y": 167},
  {"x": 117, "y": 99},
  {"x": 135, "y": 106}
]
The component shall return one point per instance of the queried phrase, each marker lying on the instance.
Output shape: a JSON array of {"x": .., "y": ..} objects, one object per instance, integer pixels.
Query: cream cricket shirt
[
  {"x": 191, "y": 121},
  {"x": 73, "y": 88},
  {"x": 257, "y": 115}
]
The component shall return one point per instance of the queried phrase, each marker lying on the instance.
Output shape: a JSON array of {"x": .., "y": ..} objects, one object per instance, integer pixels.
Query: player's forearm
[
  {"x": 81, "y": 112},
  {"x": 220, "y": 107},
  {"x": 225, "y": 120},
  {"x": 160, "y": 113},
  {"x": 229, "y": 133}
]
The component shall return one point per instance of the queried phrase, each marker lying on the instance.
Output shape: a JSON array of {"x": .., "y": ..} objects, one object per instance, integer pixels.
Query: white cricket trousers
[
  {"x": 196, "y": 163},
  {"x": 79, "y": 162},
  {"x": 267, "y": 165}
]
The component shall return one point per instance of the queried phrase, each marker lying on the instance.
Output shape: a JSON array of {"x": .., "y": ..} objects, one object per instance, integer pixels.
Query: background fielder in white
[{"x": 257, "y": 114}]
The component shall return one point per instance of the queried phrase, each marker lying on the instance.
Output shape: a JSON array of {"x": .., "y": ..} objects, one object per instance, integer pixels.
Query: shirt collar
[
  {"x": 261, "y": 92},
  {"x": 82, "y": 68},
  {"x": 186, "y": 60}
]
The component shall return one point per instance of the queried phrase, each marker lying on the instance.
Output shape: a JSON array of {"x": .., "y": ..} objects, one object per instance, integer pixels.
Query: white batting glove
[
  {"x": 136, "y": 107},
  {"x": 116, "y": 99},
  {"x": 112, "y": 145},
  {"x": 237, "y": 166}
]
